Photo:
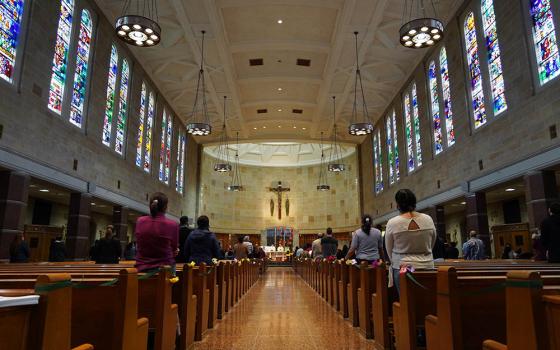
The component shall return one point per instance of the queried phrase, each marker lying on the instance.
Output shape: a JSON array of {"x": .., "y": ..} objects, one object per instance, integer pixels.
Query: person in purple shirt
[{"x": 157, "y": 237}]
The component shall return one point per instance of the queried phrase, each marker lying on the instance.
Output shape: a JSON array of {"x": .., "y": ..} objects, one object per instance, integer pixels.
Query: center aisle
[{"x": 282, "y": 312}]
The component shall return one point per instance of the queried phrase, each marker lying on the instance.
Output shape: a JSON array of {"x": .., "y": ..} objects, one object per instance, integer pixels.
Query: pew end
[
  {"x": 431, "y": 332},
  {"x": 493, "y": 345}
]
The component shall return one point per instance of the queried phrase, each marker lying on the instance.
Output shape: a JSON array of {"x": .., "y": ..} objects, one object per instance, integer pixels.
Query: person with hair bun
[
  {"x": 156, "y": 236},
  {"x": 409, "y": 237},
  {"x": 367, "y": 242}
]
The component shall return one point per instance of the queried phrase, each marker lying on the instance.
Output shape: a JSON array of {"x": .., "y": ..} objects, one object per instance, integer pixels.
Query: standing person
[
  {"x": 201, "y": 245},
  {"x": 409, "y": 237},
  {"x": 19, "y": 249},
  {"x": 108, "y": 249},
  {"x": 550, "y": 233},
  {"x": 343, "y": 252},
  {"x": 473, "y": 249},
  {"x": 508, "y": 252},
  {"x": 452, "y": 251},
  {"x": 240, "y": 250},
  {"x": 157, "y": 237},
  {"x": 184, "y": 232},
  {"x": 329, "y": 244},
  {"x": 130, "y": 251},
  {"x": 316, "y": 246},
  {"x": 57, "y": 250},
  {"x": 249, "y": 245},
  {"x": 538, "y": 249},
  {"x": 367, "y": 243}
]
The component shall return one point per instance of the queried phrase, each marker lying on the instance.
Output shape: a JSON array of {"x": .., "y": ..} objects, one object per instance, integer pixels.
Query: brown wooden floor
[{"x": 282, "y": 312}]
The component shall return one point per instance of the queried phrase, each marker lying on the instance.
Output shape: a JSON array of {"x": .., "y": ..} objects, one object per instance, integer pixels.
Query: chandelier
[
  {"x": 357, "y": 128},
  {"x": 336, "y": 153},
  {"x": 223, "y": 151},
  {"x": 141, "y": 28},
  {"x": 200, "y": 124},
  {"x": 323, "y": 184},
  {"x": 236, "y": 184},
  {"x": 420, "y": 30}
]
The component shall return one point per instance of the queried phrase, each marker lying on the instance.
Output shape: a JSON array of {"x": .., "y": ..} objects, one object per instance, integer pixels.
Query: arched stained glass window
[
  {"x": 11, "y": 13},
  {"x": 416, "y": 121},
  {"x": 81, "y": 72},
  {"x": 180, "y": 176},
  {"x": 123, "y": 108},
  {"x": 448, "y": 112},
  {"x": 141, "y": 118},
  {"x": 434, "y": 99},
  {"x": 412, "y": 129},
  {"x": 163, "y": 144},
  {"x": 60, "y": 60},
  {"x": 110, "y": 102},
  {"x": 494, "y": 60},
  {"x": 168, "y": 148},
  {"x": 377, "y": 161},
  {"x": 408, "y": 133},
  {"x": 544, "y": 39},
  {"x": 396, "y": 147},
  {"x": 149, "y": 128},
  {"x": 392, "y": 148},
  {"x": 475, "y": 73}
]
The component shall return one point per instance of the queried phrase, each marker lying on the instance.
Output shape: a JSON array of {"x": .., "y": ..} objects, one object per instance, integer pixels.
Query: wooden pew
[
  {"x": 44, "y": 326},
  {"x": 203, "y": 296},
  {"x": 352, "y": 293},
  {"x": 380, "y": 301},
  {"x": 336, "y": 290},
  {"x": 212, "y": 287},
  {"x": 222, "y": 288},
  {"x": 365, "y": 292},
  {"x": 528, "y": 309},
  {"x": 343, "y": 289},
  {"x": 184, "y": 296}
]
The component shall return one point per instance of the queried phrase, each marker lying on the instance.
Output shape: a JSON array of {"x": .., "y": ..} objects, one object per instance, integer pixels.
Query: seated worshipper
[
  {"x": 329, "y": 244},
  {"x": 409, "y": 237},
  {"x": 202, "y": 245},
  {"x": 367, "y": 243},
  {"x": 184, "y": 232},
  {"x": 108, "y": 249},
  {"x": 19, "y": 249},
  {"x": 57, "y": 250},
  {"x": 316, "y": 246},
  {"x": 157, "y": 237},
  {"x": 240, "y": 250},
  {"x": 473, "y": 249},
  {"x": 249, "y": 245}
]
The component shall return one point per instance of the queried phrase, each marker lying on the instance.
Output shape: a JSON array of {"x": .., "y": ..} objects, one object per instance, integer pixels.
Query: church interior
[{"x": 269, "y": 151}]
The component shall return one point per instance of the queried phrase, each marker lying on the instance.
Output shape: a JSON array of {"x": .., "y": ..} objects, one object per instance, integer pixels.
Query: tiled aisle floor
[{"x": 282, "y": 312}]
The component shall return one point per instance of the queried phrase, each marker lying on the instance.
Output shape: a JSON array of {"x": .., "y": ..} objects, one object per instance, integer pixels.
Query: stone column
[
  {"x": 14, "y": 189},
  {"x": 540, "y": 190},
  {"x": 477, "y": 218},
  {"x": 120, "y": 219},
  {"x": 77, "y": 236},
  {"x": 438, "y": 215}
]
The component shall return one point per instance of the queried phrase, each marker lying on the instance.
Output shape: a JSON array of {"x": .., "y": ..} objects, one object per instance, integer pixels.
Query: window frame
[
  {"x": 15, "y": 84},
  {"x": 408, "y": 91}
]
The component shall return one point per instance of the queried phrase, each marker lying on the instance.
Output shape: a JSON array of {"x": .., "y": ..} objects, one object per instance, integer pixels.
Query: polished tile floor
[{"x": 282, "y": 312}]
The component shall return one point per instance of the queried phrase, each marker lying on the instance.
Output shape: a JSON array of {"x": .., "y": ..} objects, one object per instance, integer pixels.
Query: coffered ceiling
[{"x": 277, "y": 98}]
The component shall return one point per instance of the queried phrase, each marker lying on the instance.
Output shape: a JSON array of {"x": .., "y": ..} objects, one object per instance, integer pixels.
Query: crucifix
[{"x": 279, "y": 189}]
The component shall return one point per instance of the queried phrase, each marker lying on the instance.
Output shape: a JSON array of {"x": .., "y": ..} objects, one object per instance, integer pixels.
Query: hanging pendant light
[
  {"x": 138, "y": 25},
  {"x": 357, "y": 128},
  {"x": 323, "y": 184},
  {"x": 336, "y": 152},
  {"x": 200, "y": 124},
  {"x": 420, "y": 30},
  {"x": 222, "y": 164},
  {"x": 236, "y": 184}
]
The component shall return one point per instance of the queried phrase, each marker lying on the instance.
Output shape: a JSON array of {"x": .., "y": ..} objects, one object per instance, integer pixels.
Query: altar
[{"x": 277, "y": 253}]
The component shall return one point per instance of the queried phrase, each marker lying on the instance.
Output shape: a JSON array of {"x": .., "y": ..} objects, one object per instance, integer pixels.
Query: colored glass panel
[
  {"x": 475, "y": 74},
  {"x": 448, "y": 113},
  {"x": 416, "y": 121},
  {"x": 377, "y": 157},
  {"x": 396, "y": 148},
  {"x": 149, "y": 128},
  {"x": 181, "y": 143},
  {"x": 60, "y": 60},
  {"x": 168, "y": 148},
  {"x": 544, "y": 38},
  {"x": 408, "y": 133},
  {"x": 142, "y": 115},
  {"x": 390, "y": 155},
  {"x": 123, "y": 108},
  {"x": 494, "y": 60},
  {"x": 110, "y": 104},
  {"x": 81, "y": 73},
  {"x": 162, "y": 147},
  {"x": 11, "y": 13},
  {"x": 436, "y": 118}
]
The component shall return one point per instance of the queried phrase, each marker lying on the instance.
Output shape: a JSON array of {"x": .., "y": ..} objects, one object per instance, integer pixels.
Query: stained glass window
[
  {"x": 377, "y": 160},
  {"x": 81, "y": 73},
  {"x": 544, "y": 38},
  {"x": 60, "y": 60},
  {"x": 409, "y": 133},
  {"x": 434, "y": 98},
  {"x": 179, "y": 178},
  {"x": 392, "y": 149},
  {"x": 475, "y": 74},
  {"x": 494, "y": 60},
  {"x": 123, "y": 108},
  {"x": 168, "y": 148},
  {"x": 448, "y": 113},
  {"x": 142, "y": 115},
  {"x": 149, "y": 128},
  {"x": 11, "y": 13},
  {"x": 110, "y": 104},
  {"x": 416, "y": 121},
  {"x": 163, "y": 144},
  {"x": 396, "y": 148}
]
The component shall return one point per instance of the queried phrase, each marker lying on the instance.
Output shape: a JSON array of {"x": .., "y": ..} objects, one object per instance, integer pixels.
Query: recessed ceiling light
[
  {"x": 463, "y": 203},
  {"x": 510, "y": 189},
  {"x": 304, "y": 128},
  {"x": 264, "y": 127},
  {"x": 43, "y": 190},
  {"x": 92, "y": 203},
  {"x": 295, "y": 127},
  {"x": 279, "y": 89},
  {"x": 32, "y": 186},
  {"x": 255, "y": 128},
  {"x": 279, "y": 109},
  {"x": 280, "y": 21},
  {"x": 279, "y": 126}
]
